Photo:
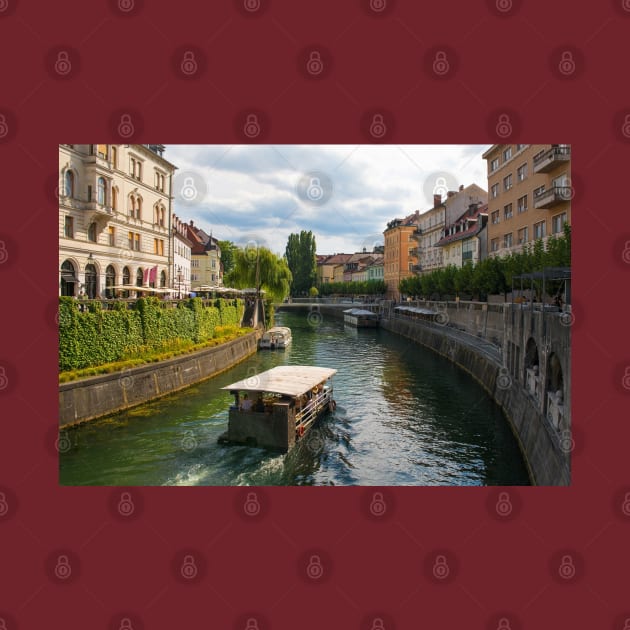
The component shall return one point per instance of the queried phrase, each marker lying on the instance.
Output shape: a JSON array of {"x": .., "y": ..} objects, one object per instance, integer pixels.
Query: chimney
[
  {"x": 461, "y": 187},
  {"x": 451, "y": 193},
  {"x": 437, "y": 200},
  {"x": 191, "y": 223}
]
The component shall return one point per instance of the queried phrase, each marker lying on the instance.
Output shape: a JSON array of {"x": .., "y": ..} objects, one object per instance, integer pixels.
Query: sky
[{"x": 344, "y": 194}]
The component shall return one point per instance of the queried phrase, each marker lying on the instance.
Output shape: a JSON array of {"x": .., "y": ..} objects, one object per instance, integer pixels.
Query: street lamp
[{"x": 179, "y": 282}]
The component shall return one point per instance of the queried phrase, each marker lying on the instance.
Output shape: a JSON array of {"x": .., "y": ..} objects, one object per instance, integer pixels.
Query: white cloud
[{"x": 252, "y": 190}]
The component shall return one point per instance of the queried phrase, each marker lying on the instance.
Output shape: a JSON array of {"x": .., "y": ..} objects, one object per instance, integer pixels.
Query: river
[{"x": 405, "y": 416}]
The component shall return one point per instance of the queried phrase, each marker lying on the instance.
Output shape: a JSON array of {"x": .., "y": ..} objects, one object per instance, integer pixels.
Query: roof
[
  {"x": 292, "y": 380},
  {"x": 358, "y": 312},
  {"x": 336, "y": 259},
  {"x": 414, "y": 309}
]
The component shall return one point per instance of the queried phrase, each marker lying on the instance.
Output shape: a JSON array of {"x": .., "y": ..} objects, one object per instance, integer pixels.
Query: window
[
  {"x": 507, "y": 240},
  {"x": 101, "y": 151},
  {"x": 494, "y": 217},
  {"x": 539, "y": 191},
  {"x": 557, "y": 223},
  {"x": 68, "y": 227},
  {"x": 523, "y": 236},
  {"x": 540, "y": 230},
  {"x": 163, "y": 279},
  {"x": 90, "y": 281},
  {"x": 130, "y": 243},
  {"x": 89, "y": 192},
  {"x": 110, "y": 281},
  {"x": 114, "y": 157},
  {"x": 494, "y": 245},
  {"x": 507, "y": 182},
  {"x": 101, "y": 191},
  {"x": 494, "y": 165},
  {"x": 136, "y": 242},
  {"x": 69, "y": 184},
  {"x": 507, "y": 211},
  {"x": 132, "y": 167},
  {"x": 521, "y": 203},
  {"x": 521, "y": 172},
  {"x": 139, "y": 277},
  {"x": 126, "y": 276},
  {"x": 139, "y": 208},
  {"x": 494, "y": 191},
  {"x": 158, "y": 246},
  {"x": 507, "y": 154},
  {"x": 92, "y": 232},
  {"x": 114, "y": 199},
  {"x": 519, "y": 147}
]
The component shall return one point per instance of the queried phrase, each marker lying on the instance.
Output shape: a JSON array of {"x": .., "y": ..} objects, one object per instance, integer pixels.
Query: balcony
[
  {"x": 551, "y": 158},
  {"x": 413, "y": 251},
  {"x": 417, "y": 233},
  {"x": 417, "y": 267},
  {"x": 552, "y": 196}
]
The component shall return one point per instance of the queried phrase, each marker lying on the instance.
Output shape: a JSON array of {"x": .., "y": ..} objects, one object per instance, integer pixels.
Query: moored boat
[
  {"x": 276, "y": 409},
  {"x": 276, "y": 337},
  {"x": 360, "y": 318}
]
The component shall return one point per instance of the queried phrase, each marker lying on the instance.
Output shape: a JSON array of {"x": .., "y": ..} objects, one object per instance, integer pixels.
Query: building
[
  {"x": 376, "y": 271},
  {"x": 355, "y": 269},
  {"x": 326, "y": 267},
  {"x": 114, "y": 218},
  {"x": 529, "y": 194},
  {"x": 463, "y": 241},
  {"x": 181, "y": 257},
  {"x": 205, "y": 265},
  {"x": 400, "y": 253},
  {"x": 432, "y": 223}
]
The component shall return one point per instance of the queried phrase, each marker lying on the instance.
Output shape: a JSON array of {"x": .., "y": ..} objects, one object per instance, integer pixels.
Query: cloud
[{"x": 253, "y": 189}]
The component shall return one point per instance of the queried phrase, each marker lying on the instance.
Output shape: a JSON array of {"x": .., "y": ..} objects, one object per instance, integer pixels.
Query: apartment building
[
  {"x": 181, "y": 258},
  {"x": 400, "y": 252},
  {"x": 114, "y": 219},
  {"x": 530, "y": 194},
  {"x": 464, "y": 240}
]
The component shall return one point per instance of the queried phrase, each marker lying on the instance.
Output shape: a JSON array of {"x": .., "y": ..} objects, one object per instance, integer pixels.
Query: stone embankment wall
[{"x": 99, "y": 396}]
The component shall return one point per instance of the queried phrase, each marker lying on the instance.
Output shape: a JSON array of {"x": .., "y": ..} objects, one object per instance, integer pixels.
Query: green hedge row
[{"x": 95, "y": 337}]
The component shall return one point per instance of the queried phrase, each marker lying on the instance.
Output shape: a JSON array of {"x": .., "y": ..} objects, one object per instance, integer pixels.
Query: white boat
[
  {"x": 360, "y": 318},
  {"x": 276, "y": 409},
  {"x": 276, "y": 337}
]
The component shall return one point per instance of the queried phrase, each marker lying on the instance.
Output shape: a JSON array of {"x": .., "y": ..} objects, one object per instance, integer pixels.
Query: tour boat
[
  {"x": 276, "y": 408},
  {"x": 360, "y": 318},
  {"x": 276, "y": 337}
]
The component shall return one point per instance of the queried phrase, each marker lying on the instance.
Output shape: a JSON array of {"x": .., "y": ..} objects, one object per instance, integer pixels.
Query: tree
[
  {"x": 227, "y": 256},
  {"x": 302, "y": 261},
  {"x": 273, "y": 273}
]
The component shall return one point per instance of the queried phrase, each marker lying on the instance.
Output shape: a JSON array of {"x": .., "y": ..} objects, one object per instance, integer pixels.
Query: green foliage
[
  {"x": 96, "y": 337},
  {"x": 227, "y": 255},
  {"x": 493, "y": 275},
  {"x": 274, "y": 276},
  {"x": 302, "y": 261},
  {"x": 363, "y": 287},
  {"x": 313, "y": 292}
]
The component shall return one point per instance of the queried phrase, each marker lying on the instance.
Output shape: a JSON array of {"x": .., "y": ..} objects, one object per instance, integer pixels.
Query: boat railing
[{"x": 309, "y": 413}]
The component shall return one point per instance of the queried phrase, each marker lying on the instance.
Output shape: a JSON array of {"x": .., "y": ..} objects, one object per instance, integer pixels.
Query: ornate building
[{"x": 115, "y": 209}]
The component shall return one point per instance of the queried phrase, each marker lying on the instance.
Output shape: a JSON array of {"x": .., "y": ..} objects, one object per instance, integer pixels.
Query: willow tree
[{"x": 260, "y": 268}]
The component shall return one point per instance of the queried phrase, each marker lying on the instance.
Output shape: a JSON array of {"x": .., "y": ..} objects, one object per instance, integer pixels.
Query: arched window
[
  {"x": 68, "y": 278},
  {"x": 139, "y": 208},
  {"x": 132, "y": 206},
  {"x": 110, "y": 281},
  {"x": 69, "y": 184},
  {"x": 101, "y": 191},
  {"x": 139, "y": 277},
  {"x": 114, "y": 156},
  {"x": 126, "y": 279},
  {"x": 163, "y": 279},
  {"x": 162, "y": 216},
  {"x": 90, "y": 281},
  {"x": 114, "y": 198},
  {"x": 92, "y": 232}
]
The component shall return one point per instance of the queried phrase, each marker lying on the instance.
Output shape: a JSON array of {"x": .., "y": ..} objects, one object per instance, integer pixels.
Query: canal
[{"x": 405, "y": 416}]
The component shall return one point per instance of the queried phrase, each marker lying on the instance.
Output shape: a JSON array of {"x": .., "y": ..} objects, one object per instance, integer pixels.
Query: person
[
  {"x": 260, "y": 405},
  {"x": 246, "y": 405}
]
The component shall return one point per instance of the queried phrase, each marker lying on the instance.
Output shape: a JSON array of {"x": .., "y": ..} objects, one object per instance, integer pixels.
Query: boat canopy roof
[
  {"x": 358, "y": 311},
  {"x": 278, "y": 329},
  {"x": 414, "y": 309},
  {"x": 292, "y": 380}
]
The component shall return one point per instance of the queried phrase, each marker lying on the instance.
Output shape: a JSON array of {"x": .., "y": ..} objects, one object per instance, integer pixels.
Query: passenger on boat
[
  {"x": 260, "y": 405},
  {"x": 246, "y": 405}
]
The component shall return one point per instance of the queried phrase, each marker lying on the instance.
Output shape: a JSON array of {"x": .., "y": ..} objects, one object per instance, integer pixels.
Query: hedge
[{"x": 95, "y": 337}]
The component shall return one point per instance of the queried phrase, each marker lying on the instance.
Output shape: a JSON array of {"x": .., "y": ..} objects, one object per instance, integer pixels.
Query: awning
[
  {"x": 68, "y": 277},
  {"x": 292, "y": 380}
]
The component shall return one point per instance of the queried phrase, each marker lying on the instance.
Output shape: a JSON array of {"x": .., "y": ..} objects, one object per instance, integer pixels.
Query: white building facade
[
  {"x": 114, "y": 219},
  {"x": 181, "y": 258}
]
